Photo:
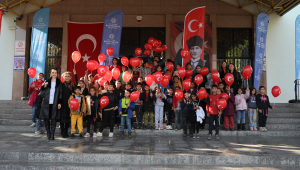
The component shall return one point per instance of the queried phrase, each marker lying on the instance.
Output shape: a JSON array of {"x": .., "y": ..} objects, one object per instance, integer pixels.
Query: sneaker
[
  {"x": 161, "y": 128},
  {"x": 261, "y": 129},
  {"x": 209, "y": 137},
  {"x": 184, "y": 134},
  {"x": 116, "y": 127},
  {"x": 33, "y": 125},
  {"x": 87, "y": 135},
  {"x": 156, "y": 128},
  {"x": 94, "y": 135},
  {"x": 194, "y": 136},
  {"x": 99, "y": 134},
  {"x": 170, "y": 127},
  {"x": 265, "y": 129},
  {"x": 197, "y": 136},
  {"x": 176, "y": 129},
  {"x": 121, "y": 133},
  {"x": 111, "y": 134},
  {"x": 217, "y": 137},
  {"x": 38, "y": 132},
  {"x": 251, "y": 128},
  {"x": 80, "y": 135},
  {"x": 231, "y": 129},
  {"x": 255, "y": 128},
  {"x": 72, "y": 136},
  {"x": 151, "y": 127}
]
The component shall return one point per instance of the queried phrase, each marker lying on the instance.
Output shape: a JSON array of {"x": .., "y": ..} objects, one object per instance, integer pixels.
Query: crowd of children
[{"x": 155, "y": 103}]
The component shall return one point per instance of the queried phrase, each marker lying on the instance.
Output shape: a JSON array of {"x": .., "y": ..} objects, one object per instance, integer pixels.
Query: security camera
[{"x": 14, "y": 20}]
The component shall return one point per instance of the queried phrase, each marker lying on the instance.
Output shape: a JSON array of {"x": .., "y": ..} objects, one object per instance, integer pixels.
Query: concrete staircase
[{"x": 15, "y": 116}]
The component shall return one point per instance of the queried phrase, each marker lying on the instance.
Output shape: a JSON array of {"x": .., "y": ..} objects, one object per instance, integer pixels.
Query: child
[
  {"x": 124, "y": 69},
  {"x": 203, "y": 105},
  {"x": 213, "y": 111},
  {"x": 148, "y": 107},
  {"x": 193, "y": 116},
  {"x": 138, "y": 108},
  {"x": 193, "y": 88},
  {"x": 159, "y": 108},
  {"x": 177, "y": 110},
  {"x": 186, "y": 107},
  {"x": 241, "y": 107},
  {"x": 263, "y": 103},
  {"x": 176, "y": 72},
  {"x": 77, "y": 115},
  {"x": 89, "y": 81},
  {"x": 84, "y": 91},
  {"x": 219, "y": 92},
  {"x": 125, "y": 112},
  {"x": 168, "y": 108},
  {"x": 92, "y": 103},
  {"x": 229, "y": 112},
  {"x": 221, "y": 86},
  {"x": 252, "y": 109}
]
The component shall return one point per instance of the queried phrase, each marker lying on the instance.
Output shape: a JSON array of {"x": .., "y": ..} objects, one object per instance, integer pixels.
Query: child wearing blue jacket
[{"x": 125, "y": 112}]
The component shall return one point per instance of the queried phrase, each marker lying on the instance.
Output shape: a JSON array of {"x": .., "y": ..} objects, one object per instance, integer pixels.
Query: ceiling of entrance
[{"x": 264, "y": 6}]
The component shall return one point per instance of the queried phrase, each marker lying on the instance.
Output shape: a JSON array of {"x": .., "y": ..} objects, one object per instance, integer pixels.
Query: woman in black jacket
[
  {"x": 223, "y": 70},
  {"x": 148, "y": 99},
  {"x": 237, "y": 79},
  {"x": 50, "y": 91}
]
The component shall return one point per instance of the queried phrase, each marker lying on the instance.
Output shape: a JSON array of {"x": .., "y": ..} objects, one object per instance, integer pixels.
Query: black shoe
[
  {"x": 129, "y": 134},
  {"x": 72, "y": 136},
  {"x": 80, "y": 135},
  {"x": 191, "y": 135},
  {"x": 47, "y": 128},
  {"x": 66, "y": 132},
  {"x": 184, "y": 134},
  {"x": 243, "y": 127},
  {"x": 121, "y": 133},
  {"x": 226, "y": 129},
  {"x": 151, "y": 127},
  {"x": 144, "y": 126},
  {"x": 238, "y": 126},
  {"x": 231, "y": 129}
]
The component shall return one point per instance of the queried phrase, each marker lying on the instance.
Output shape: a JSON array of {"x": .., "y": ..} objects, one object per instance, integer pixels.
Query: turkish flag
[
  {"x": 1, "y": 12},
  {"x": 193, "y": 35},
  {"x": 85, "y": 38}
]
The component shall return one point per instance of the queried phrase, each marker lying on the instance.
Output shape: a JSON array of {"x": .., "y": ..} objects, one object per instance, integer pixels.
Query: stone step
[
  {"x": 283, "y": 120},
  {"x": 16, "y": 111},
  {"x": 283, "y": 115},
  {"x": 285, "y": 110}
]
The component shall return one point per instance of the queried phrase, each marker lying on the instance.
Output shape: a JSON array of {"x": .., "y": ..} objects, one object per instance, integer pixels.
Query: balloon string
[{"x": 74, "y": 66}]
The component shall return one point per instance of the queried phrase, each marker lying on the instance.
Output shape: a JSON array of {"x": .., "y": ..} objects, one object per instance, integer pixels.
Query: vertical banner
[
  {"x": 297, "y": 42},
  {"x": 260, "y": 46},
  {"x": 85, "y": 38},
  {"x": 1, "y": 13},
  {"x": 111, "y": 36},
  {"x": 39, "y": 41},
  {"x": 193, "y": 37}
]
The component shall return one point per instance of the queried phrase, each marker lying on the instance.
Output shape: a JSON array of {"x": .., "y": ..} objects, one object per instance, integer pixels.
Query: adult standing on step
[
  {"x": 237, "y": 83},
  {"x": 50, "y": 92}
]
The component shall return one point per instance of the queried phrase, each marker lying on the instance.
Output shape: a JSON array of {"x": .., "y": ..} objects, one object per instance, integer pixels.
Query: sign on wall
[
  {"x": 19, "y": 63},
  {"x": 19, "y": 48}
]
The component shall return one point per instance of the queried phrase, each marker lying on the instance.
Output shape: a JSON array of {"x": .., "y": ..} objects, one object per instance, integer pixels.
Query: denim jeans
[
  {"x": 178, "y": 115},
  {"x": 241, "y": 115},
  {"x": 128, "y": 121},
  {"x": 213, "y": 118}
]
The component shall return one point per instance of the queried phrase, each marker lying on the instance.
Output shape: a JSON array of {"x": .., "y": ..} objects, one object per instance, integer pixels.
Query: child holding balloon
[
  {"x": 213, "y": 111},
  {"x": 241, "y": 107},
  {"x": 252, "y": 109},
  {"x": 228, "y": 112},
  {"x": 93, "y": 108},
  {"x": 159, "y": 108}
]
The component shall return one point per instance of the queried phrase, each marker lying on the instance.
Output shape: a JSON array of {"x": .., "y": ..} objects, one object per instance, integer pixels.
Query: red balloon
[
  {"x": 125, "y": 61},
  {"x": 62, "y": 78},
  {"x": 198, "y": 79},
  {"x": 164, "y": 48},
  {"x": 149, "y": 79},
  {"x": 229, "y": 79},
  {"x": 147, "y": 52},
  {"x": 109, "y": 51},
  {"x": 134, "y": 96},
  {"x": 148, "y": 46},
  {"x": 101, "y": 70},
  {"x": 101, "y": 57},
  {"x": 104, "y": 101},
  {"x": 138, "y": 51},
  {"x": 224, "y": 96},
  {"x": 158, "y": 77},
  {"x": 150, "y": 40},
  {"x": 276, "y": 91},
  {"x": 168, "y": 75},
  {"x": 201, "y": 94},
  {"x": 126, "y": 77},
  {"x": 155, "y": 43},
  {"x": 204, "y": 71},
  {"x": 116, "y": 73},
  {"x": 178, "y": 94},
  {"x": 215, "y": 75},
  {"x": 108, "y": 75},
  {"x": 216, "y": 82},
  {"x": 221, "y": 104},
  {"x": 247, "y": 71},
  {"x": 96, "y": 77},
  {"x": 31, "y": 72},
  {"x": 186, "y": 84},
  {"x": 74, "y": 104},
  {"x": 159, "y": 42},
  {"x": 189, "y": 73},
  {"x": 170, "y": 66},
  {"x": 92, "y": 65},
  {"x": 181, "y": 72},
  {"x": 184, "y": 53},
  {"x": 150, "y": 66},
  {"x": 135, "y": 61},
  {"x": 158, "y": 49},
  {"x": 76, "y": 56},
  {"x": 189, "y": 79},
  {"x": 101, "y": 81},
  {"x": 164, "y": 82}
]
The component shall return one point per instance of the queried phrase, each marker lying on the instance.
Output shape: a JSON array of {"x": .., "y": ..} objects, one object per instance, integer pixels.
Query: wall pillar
[
  {"x": 64, "y": 56},
  {"x": 168, "y": 35},
  {"x": 213, "y": 19}
]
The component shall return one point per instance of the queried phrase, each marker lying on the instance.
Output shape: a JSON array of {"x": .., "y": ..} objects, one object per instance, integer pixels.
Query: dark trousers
[
  {"x": 202, "y": 125},
  {"x": 213, "y": 118},
  {"x": 170, "y": 115},
  {"x": 108, "y": 116},
  {"x": 195, "y": 126},
  {"x": 139, "y": 115},
  {"x": 185, "y": 122},
  {"x": 91, "y": 120},
  {"x": 64, "y": 127},
  {"x": 262, "y": 118},
  {"x": 117, "y": 119}
]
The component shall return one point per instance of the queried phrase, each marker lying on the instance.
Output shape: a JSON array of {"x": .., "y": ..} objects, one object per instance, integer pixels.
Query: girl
[
  {"x": 92, "y": 102},
  {"x": 159, "y": 69},
  {"x": 193, "y": 116},
  {"x": 241, "y": 107},
  {"x": 186, "y": 107},
  {"x": 223, "y": 70},
  {"x": 193, "y": 88},
  {"x": 221, "y": 86},
  {"x": 115, "y": 65},
  {"x": 252, "y": 109},
  {"x": 229, "y": 112},
  {"x": 155, "y": 64},
  {"x": 175, "y": 72},
  {"x": 159, "y": 108}
]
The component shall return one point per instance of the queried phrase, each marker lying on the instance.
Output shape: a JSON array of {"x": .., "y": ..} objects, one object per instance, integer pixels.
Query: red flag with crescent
[
  {"x": 85, "y": 38},
  {"x": 1, "y": 12},
  {"x": 193, "y": 36}
]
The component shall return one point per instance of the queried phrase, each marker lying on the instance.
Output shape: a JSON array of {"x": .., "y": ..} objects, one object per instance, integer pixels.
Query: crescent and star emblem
[
  {"x": 103, "y": 102},
  {"x": 88, "y": 37},
  {"x": 190, "y": 23},
  {"x": 159, "y": 79}
]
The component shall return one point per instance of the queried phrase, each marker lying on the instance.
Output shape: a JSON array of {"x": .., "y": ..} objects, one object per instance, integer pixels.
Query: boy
[
  {"x": 177, "y": 110},
  {"x": 138, "y": 108},
  {"x": 213, "y": 111},
  {"x": 89, "y": 82},
  {"x": 193, "y": 88},
  {"x": 129, "y": 87},
  {"x": 263, "y": 103},
  {"x": 83, "y": 90},
  {"x": 124, "y": 69},
  {"x": 77, "y": 115},
  {"x": 119, "y": 92},
  {"x": 148, "y": 99},
  {"x": 168, "y": 108},
  {"x": 125, "y": 112}
]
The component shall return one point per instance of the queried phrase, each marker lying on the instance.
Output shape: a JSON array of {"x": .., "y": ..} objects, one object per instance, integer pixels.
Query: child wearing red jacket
[{"x": 213, "y": 111}]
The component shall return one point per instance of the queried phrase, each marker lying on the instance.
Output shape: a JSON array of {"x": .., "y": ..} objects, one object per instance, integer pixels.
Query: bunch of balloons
[{"x": 154, "y": 45}]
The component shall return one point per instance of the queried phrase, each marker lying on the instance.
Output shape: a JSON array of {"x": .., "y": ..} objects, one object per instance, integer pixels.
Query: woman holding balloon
[
  {"x": 223, "y": 70},
  {"x": 237, "y": 83},
  {"x": 203, "y": 72}
]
